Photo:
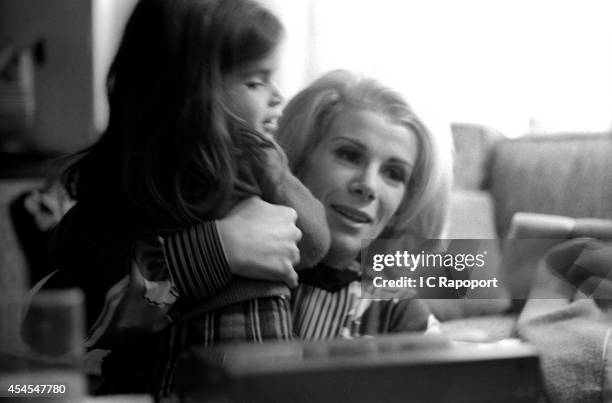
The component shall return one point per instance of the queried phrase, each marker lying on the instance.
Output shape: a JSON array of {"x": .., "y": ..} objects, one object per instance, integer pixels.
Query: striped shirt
[{"x": 320, "y": 314}]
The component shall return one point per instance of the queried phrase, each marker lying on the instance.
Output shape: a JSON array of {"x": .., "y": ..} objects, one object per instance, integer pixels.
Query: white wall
[
  {"x": 297, "y": 66},
  {"x": 110, "y": 17},
  {"x": 517, "y": 65}
]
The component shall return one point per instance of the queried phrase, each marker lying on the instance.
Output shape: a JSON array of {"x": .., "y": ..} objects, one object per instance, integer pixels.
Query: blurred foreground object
[
  {"x": 396, "y": 368},
  {"x": 41, "y": 345}
]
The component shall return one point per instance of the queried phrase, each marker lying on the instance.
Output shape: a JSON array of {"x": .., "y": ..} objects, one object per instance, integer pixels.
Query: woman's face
[{"x": 360, "y": 172}]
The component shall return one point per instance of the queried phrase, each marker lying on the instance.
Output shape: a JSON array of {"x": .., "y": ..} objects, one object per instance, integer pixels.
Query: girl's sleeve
[
  {"x": 287, "y": 190},
  {"x": 189, "y": 265},
  {"x": 164, "y": 272},
  {"x": 196, "y": 262}
]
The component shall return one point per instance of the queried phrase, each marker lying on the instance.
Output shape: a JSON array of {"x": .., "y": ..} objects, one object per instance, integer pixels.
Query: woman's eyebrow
[
  {"x": 401, "y": 161},
  {"x": 348, "y": 139},
  {"x": 394, "y": 160}
]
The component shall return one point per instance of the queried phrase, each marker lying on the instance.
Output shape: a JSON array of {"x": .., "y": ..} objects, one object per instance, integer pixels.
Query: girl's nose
[
  {"x": 276, "y": 96},
  {"x": 363, "y": 186}
]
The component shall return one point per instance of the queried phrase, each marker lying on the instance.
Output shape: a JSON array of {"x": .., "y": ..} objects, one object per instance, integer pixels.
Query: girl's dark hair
[{"x": 167, "y": 148}]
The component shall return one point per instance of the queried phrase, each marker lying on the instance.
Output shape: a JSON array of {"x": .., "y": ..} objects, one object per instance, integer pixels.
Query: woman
[{"x": 379, "y": 172}]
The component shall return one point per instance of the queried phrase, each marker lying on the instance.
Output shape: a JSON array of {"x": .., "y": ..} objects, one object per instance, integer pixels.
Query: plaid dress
[{"x": 149, "y": 365}]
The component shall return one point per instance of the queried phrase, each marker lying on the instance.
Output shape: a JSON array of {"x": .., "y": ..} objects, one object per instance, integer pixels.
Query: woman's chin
[{"x": 344, "y": 246}]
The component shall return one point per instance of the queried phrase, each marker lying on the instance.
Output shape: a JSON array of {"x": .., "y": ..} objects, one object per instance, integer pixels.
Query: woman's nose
[{"x": 363, "y": 185}]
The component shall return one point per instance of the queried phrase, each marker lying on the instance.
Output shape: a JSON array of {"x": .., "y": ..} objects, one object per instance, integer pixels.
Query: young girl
[{"x": 192, "y": 110}]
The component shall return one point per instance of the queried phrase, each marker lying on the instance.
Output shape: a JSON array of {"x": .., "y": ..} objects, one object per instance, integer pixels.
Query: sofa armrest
[{"x": 531, "y": 236}]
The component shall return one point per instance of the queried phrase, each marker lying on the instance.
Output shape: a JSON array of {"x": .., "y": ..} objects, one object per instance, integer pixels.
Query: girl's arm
[
  {"x": 288, "y": 190},
  {"x": 255, "y": 240},
  {"x": 311, "y": 220},
  {"x": 195, "y": 261}
]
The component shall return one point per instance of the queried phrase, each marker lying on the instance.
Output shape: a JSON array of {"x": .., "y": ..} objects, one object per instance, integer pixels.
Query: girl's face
[
  {"x": 254, "y": 95},
  {"x": 360, "y": 172}
]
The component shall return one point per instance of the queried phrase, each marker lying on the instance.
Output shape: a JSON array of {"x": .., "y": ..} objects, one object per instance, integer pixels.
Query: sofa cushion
[
  {"x": 569, "y": 175},
  {"x": 471, "y": 215},
  {"x": 473, "y": 145}
]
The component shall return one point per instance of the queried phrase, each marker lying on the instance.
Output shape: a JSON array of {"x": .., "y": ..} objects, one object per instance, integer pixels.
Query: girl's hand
[{"x": 260, "y": 241}]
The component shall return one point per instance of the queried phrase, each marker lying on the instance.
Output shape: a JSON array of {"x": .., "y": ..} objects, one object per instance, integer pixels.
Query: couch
[{"x": 566, "y": 176}]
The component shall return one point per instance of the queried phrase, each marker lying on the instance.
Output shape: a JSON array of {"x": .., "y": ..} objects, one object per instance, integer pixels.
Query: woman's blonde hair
[{"x": 308, "y": 116}]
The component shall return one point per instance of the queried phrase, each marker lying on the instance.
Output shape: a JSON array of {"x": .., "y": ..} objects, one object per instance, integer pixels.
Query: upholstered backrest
[
  {"x": 473, "y": 145},
  {"x": 565, "y": 174},
  {"x": 471, "y": 208}
]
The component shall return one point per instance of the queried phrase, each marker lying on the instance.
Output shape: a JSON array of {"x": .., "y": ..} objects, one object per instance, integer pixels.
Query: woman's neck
[{"x": 338, "y": 259}]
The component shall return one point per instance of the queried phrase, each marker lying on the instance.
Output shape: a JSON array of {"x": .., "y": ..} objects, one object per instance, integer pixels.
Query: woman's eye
[
  {"x": 348, "y": 155},
  {"x": 396, "y": 174}
]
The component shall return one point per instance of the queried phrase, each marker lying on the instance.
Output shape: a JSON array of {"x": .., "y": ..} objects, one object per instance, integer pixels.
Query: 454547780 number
[{"x": 36, "y": 389}]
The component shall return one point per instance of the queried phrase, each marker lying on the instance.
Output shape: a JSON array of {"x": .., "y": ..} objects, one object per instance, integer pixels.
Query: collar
[{"x": 329, "y": 278}]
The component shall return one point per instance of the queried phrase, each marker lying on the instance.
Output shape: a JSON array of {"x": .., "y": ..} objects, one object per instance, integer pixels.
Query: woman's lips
[{"x": 352, "y": 214}]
